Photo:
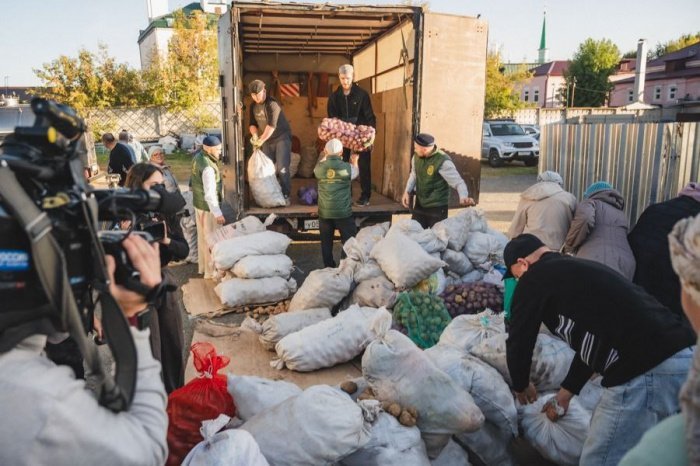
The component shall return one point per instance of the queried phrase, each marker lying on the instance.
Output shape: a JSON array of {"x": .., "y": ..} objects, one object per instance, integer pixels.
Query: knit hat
[
  {"x": 211, "y": 141},
  {"x": 153, "y": 149},
  {"x": 684, "y": 243},
  {"x": 550, "y": 176},
  {"x": 424, "y": 140},
  {"x": 334, "y": 147},
  {"x": 255, "y": 86},
  {"x": 519, "y": 247},
  {"x": 597, "y": 187}
]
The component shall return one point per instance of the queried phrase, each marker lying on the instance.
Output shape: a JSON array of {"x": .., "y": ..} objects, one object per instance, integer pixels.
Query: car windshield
[{"x": 506, "y": 129}]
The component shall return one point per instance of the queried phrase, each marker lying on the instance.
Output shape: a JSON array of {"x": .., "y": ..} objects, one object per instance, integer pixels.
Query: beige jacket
[{"x": 545, "y": 210}]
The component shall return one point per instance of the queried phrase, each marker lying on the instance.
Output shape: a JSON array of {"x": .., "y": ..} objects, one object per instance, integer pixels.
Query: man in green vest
[
  {"x": 432, "y": 175},
  {"x": 207, "y": 194},
  {"x": 335, "y": 198}
]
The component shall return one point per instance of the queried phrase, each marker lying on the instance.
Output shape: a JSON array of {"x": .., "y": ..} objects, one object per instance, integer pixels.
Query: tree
[
  {"x": 587, "y": 77},
  {"x": 188, "y": 75},
  {"x": 91, "y": 80},
  {"x": 662, "y": 48},
  {"x": 502, "y": 90}
]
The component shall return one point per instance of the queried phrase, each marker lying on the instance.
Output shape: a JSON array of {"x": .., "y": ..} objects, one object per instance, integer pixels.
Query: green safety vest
[
  {"x": 431, "y": 189},
  {"x": 201, "y": 161},
  {"x": 334, "y": 192}
]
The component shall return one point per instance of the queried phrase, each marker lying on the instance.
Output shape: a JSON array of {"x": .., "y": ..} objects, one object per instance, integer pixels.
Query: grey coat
[{"x": 599, "y": 232}]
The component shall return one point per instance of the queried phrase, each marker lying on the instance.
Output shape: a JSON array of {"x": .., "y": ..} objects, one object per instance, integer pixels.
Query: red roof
[{"x": 553, "y": 68}]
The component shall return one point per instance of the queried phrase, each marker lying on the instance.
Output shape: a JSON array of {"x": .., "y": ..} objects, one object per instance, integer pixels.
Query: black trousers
[
  {"x": 168, "y": 339},
  {"x": 428, "y": 216},
  {"x": 327, "y": 227},
  {"x": 364, "y": 163}
]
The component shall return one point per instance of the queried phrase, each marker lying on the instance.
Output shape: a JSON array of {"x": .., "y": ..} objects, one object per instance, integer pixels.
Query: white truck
[{"x": 425, "y": 72}]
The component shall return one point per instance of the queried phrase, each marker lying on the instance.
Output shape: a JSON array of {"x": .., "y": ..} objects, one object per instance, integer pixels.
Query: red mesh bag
[{"x": 202, "y": 398}]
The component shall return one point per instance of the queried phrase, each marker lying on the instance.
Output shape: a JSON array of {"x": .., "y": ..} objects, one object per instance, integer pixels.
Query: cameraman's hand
[{"x": 146, "y": 259}]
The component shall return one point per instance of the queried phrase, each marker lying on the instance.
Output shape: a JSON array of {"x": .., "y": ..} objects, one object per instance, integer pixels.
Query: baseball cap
[
  {"x": 424, "y": 140},
  {"x": 255, "y": 86},
  {"x": 211, "y": 141},
  {"x": 519, "y": 247}
]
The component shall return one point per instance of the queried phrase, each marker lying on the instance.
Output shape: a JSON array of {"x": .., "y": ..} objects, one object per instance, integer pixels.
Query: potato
[
  {"x": 394, "y": 410},
  {"x": 405, "y": 419},
  {"x": 349, "y": 387}
]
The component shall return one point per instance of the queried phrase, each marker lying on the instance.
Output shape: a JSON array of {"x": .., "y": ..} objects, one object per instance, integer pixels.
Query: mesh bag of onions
[{"x": 357, "y": 138}]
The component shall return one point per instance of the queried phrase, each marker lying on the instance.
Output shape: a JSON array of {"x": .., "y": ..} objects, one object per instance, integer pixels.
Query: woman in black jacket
[{"x": 167, "y": 336}]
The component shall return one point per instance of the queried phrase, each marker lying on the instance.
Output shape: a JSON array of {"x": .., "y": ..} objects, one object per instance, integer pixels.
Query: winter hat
[
  {"x": 211, "y": 141},
  {"x": 425, "y": 140},
  {"x": 153, "y": 149},
  {"x": 551, "y": 177},
  {"x": 684, "y": 243},
  {"x": 334, "y": 147},
  {"x": 597, "y": 187},
  {"x": 519, "y": 247},
  {"x": 255, "y": 86}
]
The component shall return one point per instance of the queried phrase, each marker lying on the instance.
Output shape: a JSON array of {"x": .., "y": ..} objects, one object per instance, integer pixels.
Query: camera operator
[
  {"x": 49, "y": 417},
  {"x": 167, "y": 335}
]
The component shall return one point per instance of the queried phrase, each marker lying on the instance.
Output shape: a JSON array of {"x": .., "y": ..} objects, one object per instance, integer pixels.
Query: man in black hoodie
[
  {"x": 352, "y": 104},
  {"x": 641, "y": 348}
]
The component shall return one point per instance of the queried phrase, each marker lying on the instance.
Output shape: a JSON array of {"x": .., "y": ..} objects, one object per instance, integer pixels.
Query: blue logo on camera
[{"x": 14, "y": 260}]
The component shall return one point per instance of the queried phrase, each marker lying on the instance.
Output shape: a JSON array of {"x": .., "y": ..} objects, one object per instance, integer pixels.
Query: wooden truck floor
[{"x": 377, "y": 203}]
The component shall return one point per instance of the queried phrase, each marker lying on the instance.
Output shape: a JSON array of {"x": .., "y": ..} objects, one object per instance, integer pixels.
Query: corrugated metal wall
[{"x": 646, "y": 162}]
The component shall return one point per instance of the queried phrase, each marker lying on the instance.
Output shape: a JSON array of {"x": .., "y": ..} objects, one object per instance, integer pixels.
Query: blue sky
[{"x": 37, "y": 31}]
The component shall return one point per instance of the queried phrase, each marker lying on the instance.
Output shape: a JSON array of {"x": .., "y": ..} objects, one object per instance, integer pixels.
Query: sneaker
[{"x": 362, "y": 202}]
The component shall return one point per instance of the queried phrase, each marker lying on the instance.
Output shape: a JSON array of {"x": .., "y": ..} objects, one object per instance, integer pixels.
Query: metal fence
[
  {"x": 646, "y": 162},
  {"x": 548, "y": 116},
  {"x": 149, "y": 123}
]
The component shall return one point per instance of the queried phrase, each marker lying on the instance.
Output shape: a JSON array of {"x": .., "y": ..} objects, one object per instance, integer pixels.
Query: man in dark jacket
[
  {"x": 642, "y": 349},
  {"x": 334, "y": 199},
  {"x": 649, "y": 243},
  {"x": 120, "y": 160},
  {"x": 352, "y": 104}
]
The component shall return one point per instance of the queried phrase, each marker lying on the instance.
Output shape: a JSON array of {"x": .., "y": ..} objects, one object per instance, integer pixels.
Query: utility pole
[{"x": 573, "y": 93}]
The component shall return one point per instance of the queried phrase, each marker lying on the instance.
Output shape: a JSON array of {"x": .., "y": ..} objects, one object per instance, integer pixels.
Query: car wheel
[
  {"x": 532, "y": 162},
  {"x": 494, "y": 160}
]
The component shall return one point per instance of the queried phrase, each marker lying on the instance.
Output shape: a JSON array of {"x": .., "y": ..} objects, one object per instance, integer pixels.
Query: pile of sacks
[{"x": 251, "y": 263}]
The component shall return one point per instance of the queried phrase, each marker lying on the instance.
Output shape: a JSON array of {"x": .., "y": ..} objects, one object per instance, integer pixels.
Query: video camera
[{"x": 52, "y": 266}]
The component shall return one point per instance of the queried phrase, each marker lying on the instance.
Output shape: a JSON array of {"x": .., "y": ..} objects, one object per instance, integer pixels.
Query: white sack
[
  {"x": 279, "y": 326},
  {"x": 361, "y": 245},
  {"x": 323, "y": 288},
  {"x": 390, "y": 444},
  {"x": 476, "y": 219},
  {"x": 455, "y": 229},
  {"x": 253, "y": 395},
  {"x": 490, "y": 444},
  {"x": 486, "y": 386},
  {"x": 317, "y": 427},
  {"x": 482, "y": 247},
  {"x": 467, "y": 331},
  {"x": 246, "y": 226},
  {"x": 262, "y": 178},
  {"x": 376, "y": 292},
  {"x": 226, "y": 448},
  {"x": 226, "y": 253},
  {"x": 457, "y": 262},
  {"x": 332, "y": 341},
  {"x": 551, "y": 359},
  {"x": 273, "y": 265},
  {"x": 560, "y": 441},
  {"x": 403, "y": 260},
  {"x": 398, "y": 371},
  {"x": 368, "y": 270},
  {"x": 431, "y": 241},
  {"x": 242, "y": 291},
  {"x": 452, "y": 455}
]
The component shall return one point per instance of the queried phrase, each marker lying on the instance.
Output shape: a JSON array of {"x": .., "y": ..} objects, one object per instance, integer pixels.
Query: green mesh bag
[{"x": 423, "y": 315}]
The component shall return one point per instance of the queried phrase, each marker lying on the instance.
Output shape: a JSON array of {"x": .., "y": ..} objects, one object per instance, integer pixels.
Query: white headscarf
[{"x": 334, "y": 147}]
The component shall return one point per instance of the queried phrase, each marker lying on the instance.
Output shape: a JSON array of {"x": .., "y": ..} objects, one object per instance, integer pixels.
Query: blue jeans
[{"x": 626, "y": 411}]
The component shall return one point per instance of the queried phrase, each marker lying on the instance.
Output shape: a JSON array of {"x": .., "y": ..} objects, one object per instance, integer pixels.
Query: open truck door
[{"x": 451, "y": 89}]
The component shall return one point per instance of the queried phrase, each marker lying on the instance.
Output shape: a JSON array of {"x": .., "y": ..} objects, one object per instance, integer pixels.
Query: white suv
[{"x": 506, "y": 141}]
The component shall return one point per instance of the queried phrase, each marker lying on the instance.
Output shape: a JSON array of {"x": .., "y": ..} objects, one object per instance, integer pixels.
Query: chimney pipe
[{"x": 640, "y": 70}]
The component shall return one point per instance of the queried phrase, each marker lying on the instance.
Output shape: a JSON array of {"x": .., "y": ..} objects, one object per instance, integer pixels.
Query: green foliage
[
  {"x": 91, "y": 80},
  {"x": 662, "y": 48},
  {"x": 188, "y": 76},
  {"x": 593, "y": 63},
  {"x": 502, "y": 90}
]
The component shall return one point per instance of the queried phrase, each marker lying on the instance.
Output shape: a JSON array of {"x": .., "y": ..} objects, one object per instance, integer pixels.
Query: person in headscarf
[
  {"x": 599, "y": 228},
  {"x": 545, "y": 210}
]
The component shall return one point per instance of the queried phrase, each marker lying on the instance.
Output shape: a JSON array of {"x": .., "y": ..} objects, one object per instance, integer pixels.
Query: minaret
[{"x": 542, "y": 57}]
